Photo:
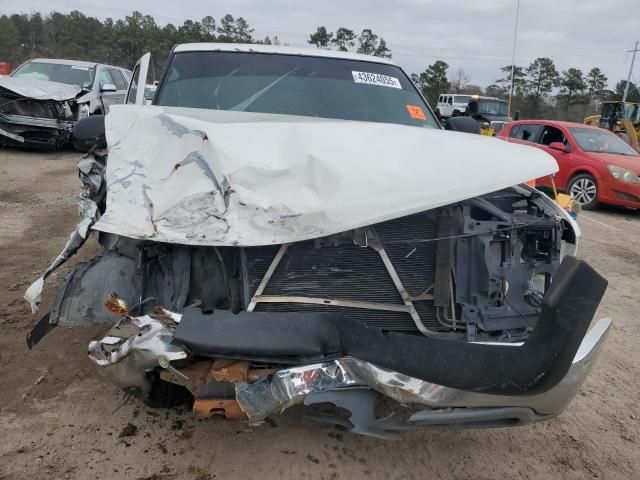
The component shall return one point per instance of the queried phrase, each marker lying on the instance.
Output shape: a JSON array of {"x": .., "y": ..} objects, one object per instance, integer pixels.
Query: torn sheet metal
[
  {"x": 40, "y": 89},
  {"x": 134, "y": 346},
  {"x": 204, "y": 177},
  {"x": 150, "y": 337}
]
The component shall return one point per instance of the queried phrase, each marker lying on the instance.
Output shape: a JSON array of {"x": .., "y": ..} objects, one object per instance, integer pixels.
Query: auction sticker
[
  {"x": 376, "y": 79},
  {"x": 416, "y": 112}
]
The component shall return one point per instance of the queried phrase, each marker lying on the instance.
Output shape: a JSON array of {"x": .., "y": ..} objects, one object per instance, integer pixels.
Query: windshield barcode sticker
[{"x": 376, "y": 79}]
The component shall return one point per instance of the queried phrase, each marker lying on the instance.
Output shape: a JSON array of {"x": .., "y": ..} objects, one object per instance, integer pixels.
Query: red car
[{"x": 596, "y": 166}]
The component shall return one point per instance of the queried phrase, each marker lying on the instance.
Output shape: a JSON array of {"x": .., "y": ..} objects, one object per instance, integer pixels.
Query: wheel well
[
  {"x": 580, "y": 172},
  {"x": 97, "y": 111}
]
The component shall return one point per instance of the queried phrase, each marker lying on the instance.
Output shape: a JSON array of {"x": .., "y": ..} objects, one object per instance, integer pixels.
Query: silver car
[{"x": 43, "y": 98}]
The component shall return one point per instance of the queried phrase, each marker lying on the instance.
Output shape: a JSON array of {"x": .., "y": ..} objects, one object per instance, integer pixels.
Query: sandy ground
[{"x": 59, "y": 420}]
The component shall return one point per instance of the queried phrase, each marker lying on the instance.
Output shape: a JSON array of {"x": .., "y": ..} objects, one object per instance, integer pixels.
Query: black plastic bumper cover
[{"x": 567, "y": 310}]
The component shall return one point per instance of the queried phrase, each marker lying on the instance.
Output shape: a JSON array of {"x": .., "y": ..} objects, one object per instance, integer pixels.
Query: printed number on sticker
[{"x": 376, "y": 79}]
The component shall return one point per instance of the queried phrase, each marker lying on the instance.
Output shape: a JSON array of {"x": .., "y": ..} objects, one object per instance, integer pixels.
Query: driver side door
[{"x": 142, "y": 76}]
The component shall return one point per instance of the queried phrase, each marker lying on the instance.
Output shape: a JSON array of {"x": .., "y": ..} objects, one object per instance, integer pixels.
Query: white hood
[
  {"x": 203, "y": 177},
  {"x": 39, "y": 89}
]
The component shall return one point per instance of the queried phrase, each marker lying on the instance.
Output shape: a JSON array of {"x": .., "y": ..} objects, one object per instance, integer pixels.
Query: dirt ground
[{"x": 59, "y": 420}]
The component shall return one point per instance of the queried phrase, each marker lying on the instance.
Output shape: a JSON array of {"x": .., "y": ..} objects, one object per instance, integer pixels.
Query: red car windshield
[{"x": 601, "y": 141}]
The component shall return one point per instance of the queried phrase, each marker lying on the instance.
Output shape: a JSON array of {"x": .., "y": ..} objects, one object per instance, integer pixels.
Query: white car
[
  {"x": 43, "y": 98},
  {"x": 452, "y": 105}
]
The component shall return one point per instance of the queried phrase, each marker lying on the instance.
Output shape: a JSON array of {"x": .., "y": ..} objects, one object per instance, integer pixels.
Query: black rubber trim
[
  {"x": 39, "y": 331},
  {"x": 567, "y": 310},
  {"x": 260, "y": 334}
]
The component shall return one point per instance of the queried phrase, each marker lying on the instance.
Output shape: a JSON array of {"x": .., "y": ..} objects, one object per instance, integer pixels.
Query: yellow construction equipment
[{"x": 622, "y": 118}]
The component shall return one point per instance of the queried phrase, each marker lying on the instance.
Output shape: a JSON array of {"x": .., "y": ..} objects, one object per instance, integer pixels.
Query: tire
[
  {"x": 583, "y": 188},
  {"x": 456, "y": 113},
  {"x": 624, "y": 136}
]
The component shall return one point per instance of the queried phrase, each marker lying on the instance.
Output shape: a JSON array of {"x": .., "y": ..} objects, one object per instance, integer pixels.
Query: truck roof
[{"x": 276, "y": 49}]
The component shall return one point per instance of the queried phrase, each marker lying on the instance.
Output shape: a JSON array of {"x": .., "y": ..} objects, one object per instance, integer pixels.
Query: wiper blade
[
  {"x": 246, "y": 103},
  {"x": 217, "y": 89}
]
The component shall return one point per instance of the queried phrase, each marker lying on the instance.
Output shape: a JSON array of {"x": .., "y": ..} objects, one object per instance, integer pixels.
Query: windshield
[
  {"x": 462, "y": 99},
  {"x": 630, "y": 111},
  {"x": 601, "y": 141},
  {"x": 293, "y": 85},
  {"x": 492, "y": 107},
  {"x": 54, "y": 72}
]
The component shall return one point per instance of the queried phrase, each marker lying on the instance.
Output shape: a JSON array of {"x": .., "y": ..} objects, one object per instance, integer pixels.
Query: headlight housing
[
  {"x": 623, "y": 174},
  {"x": 83, "y": 111}
]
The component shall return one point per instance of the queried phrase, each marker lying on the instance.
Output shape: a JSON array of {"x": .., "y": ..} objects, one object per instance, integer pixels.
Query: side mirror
[
  {"x": 559, "y": 146},
  {"x": 89, "y": 132},
  {"x": 108, "y": 87},
  {"x": 462, "y": 124}
]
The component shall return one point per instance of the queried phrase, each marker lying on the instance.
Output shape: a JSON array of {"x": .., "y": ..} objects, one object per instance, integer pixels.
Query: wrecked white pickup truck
[{"x": 287, "y": 226}]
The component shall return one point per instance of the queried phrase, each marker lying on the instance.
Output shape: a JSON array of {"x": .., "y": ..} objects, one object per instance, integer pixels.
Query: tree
[
  {"x": 433, "y": 81},
  {"x": 459, "y": 80},
  {"x": 519, "y": 80},
  {"x": 243, "y": 33},
  {"x": 227, "y": 29},
  {"x": 471, "y": 89},
  {"x": 495, "y": 90},
  {"x": 572, "y": 83},
  {"x": 382, "y": 50},
  {"x": 542, "y": 76},
  {"x": 321, "y": 38},
  {"x": 369, "y": 44},
  {"x": 596, "y": 84},
  {"x": 208, "y": 26},
  {"x": 344, "y": 39},
  {"x": 9, "y": 45},
  {"x": 634, "y": 92}
]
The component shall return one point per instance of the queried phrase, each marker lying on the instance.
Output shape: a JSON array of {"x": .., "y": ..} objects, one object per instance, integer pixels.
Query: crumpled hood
[
  {"x": 39, "y": 89},
  {"x": 203, "y": 177}
]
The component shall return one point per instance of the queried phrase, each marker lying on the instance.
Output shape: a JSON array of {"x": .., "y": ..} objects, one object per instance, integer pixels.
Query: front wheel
[{"x": 583, "y": 188}]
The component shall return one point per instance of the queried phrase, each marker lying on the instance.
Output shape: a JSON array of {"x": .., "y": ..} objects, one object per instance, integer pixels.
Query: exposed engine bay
[
  {"x": 39, "y": 122},
  {"x": 473, "y": 313}
]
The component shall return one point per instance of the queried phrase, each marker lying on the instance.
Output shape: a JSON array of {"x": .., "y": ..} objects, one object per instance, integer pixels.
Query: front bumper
[
  {"x": 35, "y": 131},
  {"x": 349, "y": 383},
  {"x": 335, "y": 382},
  {"x": 617, "y": 192},
  {"x": 460, "y": 384}
]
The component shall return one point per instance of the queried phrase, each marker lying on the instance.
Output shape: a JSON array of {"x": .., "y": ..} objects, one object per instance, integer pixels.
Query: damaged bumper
[
  {"x": 347, "y": 382},
  {"x": 460, "y": 384},
  {"x": 47, "y": 132},
  {"x": 36, "y": 113}
]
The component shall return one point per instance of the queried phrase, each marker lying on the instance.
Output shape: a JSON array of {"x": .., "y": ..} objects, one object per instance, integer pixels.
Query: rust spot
[
  {"x": 176, "y": 166},
  {"x": 226, "y": 370},
  {"x": 116, "y": 305}
]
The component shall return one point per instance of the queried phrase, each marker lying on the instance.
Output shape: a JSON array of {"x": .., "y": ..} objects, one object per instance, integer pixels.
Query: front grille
[{"x": 336, "y": 268}]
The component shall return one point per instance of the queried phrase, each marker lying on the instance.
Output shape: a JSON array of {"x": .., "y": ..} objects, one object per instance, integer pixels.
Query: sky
[{"x": 476, "y": 35}]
